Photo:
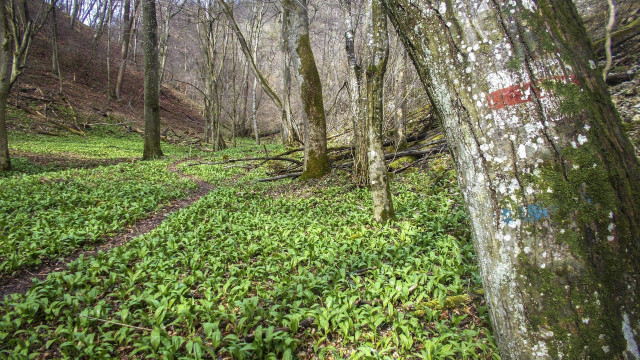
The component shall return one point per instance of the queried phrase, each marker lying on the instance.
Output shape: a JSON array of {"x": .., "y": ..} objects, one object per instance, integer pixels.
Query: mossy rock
[{"x": 402, "y": 162}]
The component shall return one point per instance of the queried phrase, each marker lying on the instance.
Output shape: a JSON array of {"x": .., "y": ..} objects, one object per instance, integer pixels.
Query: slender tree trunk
[
  {"x": 550, "y": 180},
  {"x": 288, "y": 131},
  {"x": 151, "y": 96},
  {"x": 357, "y": 101},
  {"x": 74, "y": 13},
  {"x": 108, "y": 89},
  {"x": 376, "y": 68},
  {"x": 245, "y": 96},
  {"x": 6, "y": 64},
  {"x": 400, "y": 105},
  {"x": 254, "y": 110},
  {"x": 127, "y": 23},
  {"x": 55, "y": 64},
  {"x": 316, "y": 162}
]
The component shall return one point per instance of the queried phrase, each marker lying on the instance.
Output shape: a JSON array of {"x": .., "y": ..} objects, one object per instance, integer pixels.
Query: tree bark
[
  {"x": 378, "y": 39},
  {"x": 151, "y": 96},
  {"x": 400, "y": 104},
  {"x": 55, "y": 64},
  {"x": 550, "y": 181},
  {"x": 127, "y": 24},
  {"x": 316, "y": 162},
  {"x": 357, "y": 100},
  {"x": 288, "y": 131},
  {"x": 6, "y": 64}
]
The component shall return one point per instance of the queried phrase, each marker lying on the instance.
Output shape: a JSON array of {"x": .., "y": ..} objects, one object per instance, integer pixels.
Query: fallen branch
[
  {"x": 618, "y": 37},
  {"x": 68, "y": 128},
  {"x": 297, "y": 162},
  {"x": 279, "y": 177}
]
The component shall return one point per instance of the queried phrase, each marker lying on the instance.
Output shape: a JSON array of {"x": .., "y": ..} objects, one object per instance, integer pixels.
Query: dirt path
[{"x": 21, "y": 282}]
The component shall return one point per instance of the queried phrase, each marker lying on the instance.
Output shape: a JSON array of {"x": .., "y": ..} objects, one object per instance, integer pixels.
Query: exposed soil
[{"x": 22, "y": 281}]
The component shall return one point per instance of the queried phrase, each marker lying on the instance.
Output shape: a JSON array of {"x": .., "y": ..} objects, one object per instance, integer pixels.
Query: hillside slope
[{"x": 84, "y": 100}]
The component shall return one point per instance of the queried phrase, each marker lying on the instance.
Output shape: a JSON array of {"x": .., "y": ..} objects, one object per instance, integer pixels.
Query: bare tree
[
  {"x": 151, "y": 96},
  {"x": 550, "y": 180},
  {"x": 18, "y": 28}
]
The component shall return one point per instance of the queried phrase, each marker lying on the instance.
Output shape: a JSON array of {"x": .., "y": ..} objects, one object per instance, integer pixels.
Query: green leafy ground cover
[
  {"x": 48, "y": 215},
  {"x": 93, "y": 146},
  {"x": 270, "y": 271}
]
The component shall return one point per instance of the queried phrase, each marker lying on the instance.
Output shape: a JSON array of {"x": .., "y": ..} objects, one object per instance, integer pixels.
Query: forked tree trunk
[
  {"x": 151, "y": 95},
  {"x": 378, "y": 39},
  {"x": 6, "y": 64},
  {"x": 316, "y": 162},
  {"x": 357, "y": 101},
  {"x": 550, "y": 181}
]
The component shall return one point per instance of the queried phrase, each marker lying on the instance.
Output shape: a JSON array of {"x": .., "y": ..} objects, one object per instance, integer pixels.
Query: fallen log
[
  {"x": 619, "y": 78},
  {"x": 297, "y": 162}
]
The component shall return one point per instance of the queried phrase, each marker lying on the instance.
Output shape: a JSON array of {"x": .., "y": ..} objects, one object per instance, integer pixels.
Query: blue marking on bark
[{"x": 531, "y": 213}]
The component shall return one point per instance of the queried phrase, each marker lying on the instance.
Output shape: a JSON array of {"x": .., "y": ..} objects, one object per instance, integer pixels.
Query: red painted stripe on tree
[{"x": 517, "y": 94}]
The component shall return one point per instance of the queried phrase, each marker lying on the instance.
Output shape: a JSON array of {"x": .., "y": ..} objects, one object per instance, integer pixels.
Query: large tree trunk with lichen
[
  {"x": 357, "y": 100},
  {"x": 151, "y": 95},
  {"x": 316, "y": 162},
  {"x": 550, "y": 181},
  {"x": 376, "y": 67},
  {"x": 6, "y": 64}
]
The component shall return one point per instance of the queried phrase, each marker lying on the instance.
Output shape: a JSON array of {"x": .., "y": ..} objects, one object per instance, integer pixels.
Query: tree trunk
[
  {"x": 357, "y": 101},
  {"x": 550, "y": 181},
  {"x": 55, "y": 64},
  {"x": 400, "y": 105},
  {"x": 378, "y": 39},
  {"x": 74, "y": 13},
  {"x": 151, "y": 95},
  {"x": 6, "y": 64},
  {"x": 242, "y": 130},
  {"x": 316, "y": 162},
  {"x": 254, "y": 110},
  {"x": 127, "y": 23},
  {"x": 288, "y": 132}
]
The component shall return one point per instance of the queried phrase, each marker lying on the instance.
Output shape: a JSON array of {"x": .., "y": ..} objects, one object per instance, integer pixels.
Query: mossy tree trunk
[
  {"x": 151, "y": 96},
  {"x": 357, "y": 99},
  {"x": 550, "y": 181},
  {"x": 554, "y": 207},
  {"x": 378, "y": 39},
  {"x": 316, "y": 162},
  {"x": 6, "y": 64}
]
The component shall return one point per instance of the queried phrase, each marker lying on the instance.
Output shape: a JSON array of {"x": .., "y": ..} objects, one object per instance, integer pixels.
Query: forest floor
[{"x": 224, "y": 266}]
